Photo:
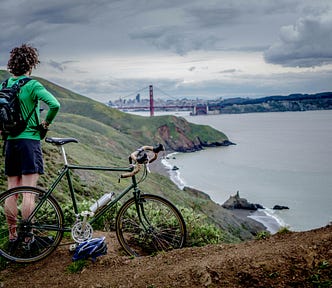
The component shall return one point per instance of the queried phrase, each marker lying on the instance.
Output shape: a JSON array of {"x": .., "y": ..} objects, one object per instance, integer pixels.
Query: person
[{"x": 23, "y": 153}]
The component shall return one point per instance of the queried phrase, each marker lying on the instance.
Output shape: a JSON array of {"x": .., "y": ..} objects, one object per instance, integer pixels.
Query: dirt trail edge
[{"x": 293, "y": 259}]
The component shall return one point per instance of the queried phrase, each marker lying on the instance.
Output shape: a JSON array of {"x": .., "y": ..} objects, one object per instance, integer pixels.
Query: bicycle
[{"x": 145, "y": 223}]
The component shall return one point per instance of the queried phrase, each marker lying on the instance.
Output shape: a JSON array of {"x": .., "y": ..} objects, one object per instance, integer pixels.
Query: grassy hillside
[{"x": 107, "y": 137}]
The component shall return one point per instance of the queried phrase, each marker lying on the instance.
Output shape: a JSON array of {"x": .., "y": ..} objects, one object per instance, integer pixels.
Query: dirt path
[{"x": 294, "y": 259}]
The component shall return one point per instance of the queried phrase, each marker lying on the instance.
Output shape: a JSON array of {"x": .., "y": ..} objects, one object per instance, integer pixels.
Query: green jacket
[{"x": 30, "y": 94}]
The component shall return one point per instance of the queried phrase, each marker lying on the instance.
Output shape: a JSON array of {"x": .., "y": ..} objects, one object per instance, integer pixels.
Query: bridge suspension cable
[
  {"x": 163, "y": 92},
  {"x": 134, "y": 93}
]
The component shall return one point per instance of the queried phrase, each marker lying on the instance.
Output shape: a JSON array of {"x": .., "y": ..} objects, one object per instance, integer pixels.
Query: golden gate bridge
[{"x": 194, "y": 106}]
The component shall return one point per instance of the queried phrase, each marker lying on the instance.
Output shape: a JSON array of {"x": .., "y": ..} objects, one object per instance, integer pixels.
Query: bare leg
[
  {"x": 11, "y": 207},
  {"x": 11, "y": 216},
  {"x": 28, "y": 203}
]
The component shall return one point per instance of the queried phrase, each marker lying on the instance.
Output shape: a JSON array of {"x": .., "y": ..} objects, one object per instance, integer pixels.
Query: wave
[
  {"x": 173, "y": 174},
  {"x": 268, "y": 218}
]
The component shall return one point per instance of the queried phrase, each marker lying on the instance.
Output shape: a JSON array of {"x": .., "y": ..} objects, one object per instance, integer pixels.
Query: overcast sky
[{"x": 107, "y": 49}]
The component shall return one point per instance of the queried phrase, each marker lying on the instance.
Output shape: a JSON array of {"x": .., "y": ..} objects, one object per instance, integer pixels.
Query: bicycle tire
[
  {"x": 35, "y": 239},
  {"x": 160, "y": 228}
]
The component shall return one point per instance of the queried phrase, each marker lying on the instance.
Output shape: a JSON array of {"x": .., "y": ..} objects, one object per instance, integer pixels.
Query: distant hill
[{"x": 292, "y": 102}]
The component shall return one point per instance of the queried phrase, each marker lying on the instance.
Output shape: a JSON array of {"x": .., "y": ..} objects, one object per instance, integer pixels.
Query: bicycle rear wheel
[
  {"x": 150, "y": 226},
  {"x": 29, "y": 241}
]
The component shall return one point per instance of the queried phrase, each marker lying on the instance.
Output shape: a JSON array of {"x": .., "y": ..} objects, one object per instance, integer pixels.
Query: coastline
[
  {"x": 259, "y": 216},
  {"x": 158, "y": 167}
]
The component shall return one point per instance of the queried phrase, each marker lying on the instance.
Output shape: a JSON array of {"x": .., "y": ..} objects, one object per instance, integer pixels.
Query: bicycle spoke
[{"x": 158, "y": 226}]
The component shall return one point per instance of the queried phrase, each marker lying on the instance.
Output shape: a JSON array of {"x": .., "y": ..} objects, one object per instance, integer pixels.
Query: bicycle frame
[{"x": 65, "y": 172}]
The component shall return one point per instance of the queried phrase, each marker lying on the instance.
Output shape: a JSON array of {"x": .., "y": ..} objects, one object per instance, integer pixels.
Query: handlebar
[{"x": 140, "y": 157}]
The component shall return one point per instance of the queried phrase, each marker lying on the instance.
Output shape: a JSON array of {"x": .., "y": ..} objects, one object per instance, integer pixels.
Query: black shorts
[{"x": 23, "y": 156}]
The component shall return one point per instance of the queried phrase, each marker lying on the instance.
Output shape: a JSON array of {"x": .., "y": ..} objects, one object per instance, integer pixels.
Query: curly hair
[{"x": 22, "y": 59}]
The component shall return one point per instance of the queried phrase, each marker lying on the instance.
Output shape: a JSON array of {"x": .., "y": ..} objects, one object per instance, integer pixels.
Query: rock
[
  {"x": 236, "y": 202},
  {"x": 280, "y": 207},
  {"x": 217, "y": 144}
]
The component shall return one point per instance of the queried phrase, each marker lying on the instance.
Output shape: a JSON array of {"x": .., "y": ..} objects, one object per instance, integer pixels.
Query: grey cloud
[
  {"x": 306, "y": 44},
  {"x": 61, "y": 66},
  {"x": 227, "y": 71},
  {"x": 214, "y": 16},
  {"x": 175, "y": 40},
  {"x": 20, "y": 25},
  {"x": 63, "y": 11},
  {"x": 183, "y": 26},
  {"x": 229, "y": 12}
]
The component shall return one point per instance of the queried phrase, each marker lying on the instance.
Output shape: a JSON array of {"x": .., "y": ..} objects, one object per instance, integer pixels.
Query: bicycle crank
[{"x": 81, "y": 231}]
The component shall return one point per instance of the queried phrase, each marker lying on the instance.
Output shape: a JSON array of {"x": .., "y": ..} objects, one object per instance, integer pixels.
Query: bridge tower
[{"x": 151, "y": 101}]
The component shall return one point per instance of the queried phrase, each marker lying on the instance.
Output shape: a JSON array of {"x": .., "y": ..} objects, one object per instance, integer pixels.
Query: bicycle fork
[{"x": 139, "y": 202}]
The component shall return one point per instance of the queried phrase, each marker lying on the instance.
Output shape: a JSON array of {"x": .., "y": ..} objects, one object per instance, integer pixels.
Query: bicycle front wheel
[
  {"x": 23, "y": 240},
  {"x": 150, "y": 225}
]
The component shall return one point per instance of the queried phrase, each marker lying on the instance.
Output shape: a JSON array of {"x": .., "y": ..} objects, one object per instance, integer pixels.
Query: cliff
[{"x": 177, "y": 136}]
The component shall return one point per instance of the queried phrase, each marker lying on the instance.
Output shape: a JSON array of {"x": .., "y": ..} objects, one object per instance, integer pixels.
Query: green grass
[{"x": 77, "y": 266}]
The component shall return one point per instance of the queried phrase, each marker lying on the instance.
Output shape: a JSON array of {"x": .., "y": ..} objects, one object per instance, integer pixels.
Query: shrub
[
  {"x": 263, "y": 235},
  {"x": 200, "y": 231},
  {"x": 283, "y": 230}
]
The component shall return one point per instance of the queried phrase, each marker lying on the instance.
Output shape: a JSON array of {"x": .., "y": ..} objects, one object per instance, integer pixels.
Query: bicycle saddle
[{"x": 60, "y": 141}]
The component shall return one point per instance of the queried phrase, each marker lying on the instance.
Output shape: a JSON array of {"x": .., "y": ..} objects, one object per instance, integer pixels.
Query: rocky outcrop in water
[
  {"x": 280, "y": 207},
  {"x": 228, "y": 220},
  {"x": 236, "y": 202}
]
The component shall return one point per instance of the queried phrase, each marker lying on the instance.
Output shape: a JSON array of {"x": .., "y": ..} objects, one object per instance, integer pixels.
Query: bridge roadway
[
  {"x": 158, "y": 107},
  {"x": 195, "y": 109}
]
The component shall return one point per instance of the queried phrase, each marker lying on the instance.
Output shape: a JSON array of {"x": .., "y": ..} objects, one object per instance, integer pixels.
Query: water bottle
[{"x": 101, "y": 202}]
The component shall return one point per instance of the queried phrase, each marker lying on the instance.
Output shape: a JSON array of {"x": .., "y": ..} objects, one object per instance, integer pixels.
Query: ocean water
[{"x": 279, "y": 159}]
